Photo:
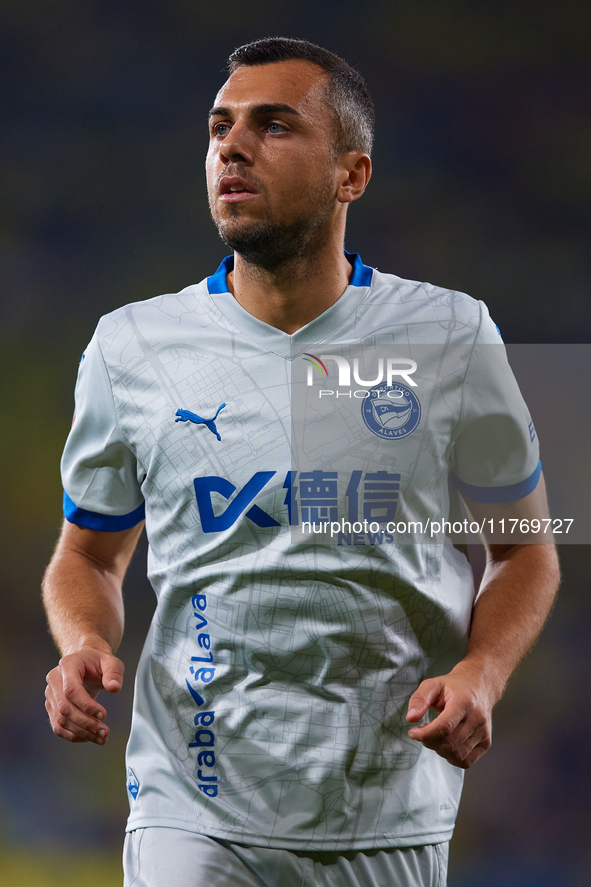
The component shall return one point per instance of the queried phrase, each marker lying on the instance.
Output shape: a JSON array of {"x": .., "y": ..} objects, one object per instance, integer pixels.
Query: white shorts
[{"x": 169, "y": 857}]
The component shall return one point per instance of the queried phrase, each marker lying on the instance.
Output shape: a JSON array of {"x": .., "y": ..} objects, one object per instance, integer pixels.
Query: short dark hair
[{"x": 347, "y": 94}]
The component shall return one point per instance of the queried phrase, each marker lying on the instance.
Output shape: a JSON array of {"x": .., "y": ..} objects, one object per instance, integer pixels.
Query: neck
[{"x": 292, "y": 295}]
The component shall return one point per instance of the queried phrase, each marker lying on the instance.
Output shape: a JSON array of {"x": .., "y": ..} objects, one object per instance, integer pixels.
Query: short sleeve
[
  {"x": 495, "y": 456},
  {"x": 99, "y": 470}
]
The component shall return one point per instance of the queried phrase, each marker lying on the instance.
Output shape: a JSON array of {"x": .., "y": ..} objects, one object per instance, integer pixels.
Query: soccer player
[{"x": 304, "y": 709}]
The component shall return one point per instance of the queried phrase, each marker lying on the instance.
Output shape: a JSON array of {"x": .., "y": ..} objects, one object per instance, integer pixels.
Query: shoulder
[
  {"x": 416, "y": 302},
  {"x": 164, "y": 308},
  {"x": 152, "y": 320},
  {"x": 421, "y": 294}
]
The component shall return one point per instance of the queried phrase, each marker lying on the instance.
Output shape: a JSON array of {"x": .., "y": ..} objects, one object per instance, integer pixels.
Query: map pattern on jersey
[{"x": 272, "y": 688}]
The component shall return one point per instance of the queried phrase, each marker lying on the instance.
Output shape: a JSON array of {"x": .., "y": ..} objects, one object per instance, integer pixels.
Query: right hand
[{"x": 71, "y": 691}]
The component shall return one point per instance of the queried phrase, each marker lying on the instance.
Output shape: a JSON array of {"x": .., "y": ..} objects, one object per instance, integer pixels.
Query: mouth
[{"x": 233, "y": 189}]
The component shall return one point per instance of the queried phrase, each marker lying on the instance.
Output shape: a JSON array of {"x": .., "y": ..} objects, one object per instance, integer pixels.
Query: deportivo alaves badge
[
  {"x": 391, "y": 411},
  {"x": 133, "y": 785},
  {"x": 188, "y": 416}
]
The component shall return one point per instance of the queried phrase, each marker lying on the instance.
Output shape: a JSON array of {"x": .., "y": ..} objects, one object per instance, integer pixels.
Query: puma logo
[{"x": 188, "y": 416}]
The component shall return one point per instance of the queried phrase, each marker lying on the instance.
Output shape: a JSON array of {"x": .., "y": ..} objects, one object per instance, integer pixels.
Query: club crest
[{"x": 391, "y": 411}]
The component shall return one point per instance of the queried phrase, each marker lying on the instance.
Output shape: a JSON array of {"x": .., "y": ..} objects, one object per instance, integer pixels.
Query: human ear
[{"x": 354, "y": 173}]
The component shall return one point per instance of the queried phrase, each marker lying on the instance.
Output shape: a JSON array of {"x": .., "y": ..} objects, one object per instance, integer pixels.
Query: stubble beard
[{"x": 270, "y": 243}]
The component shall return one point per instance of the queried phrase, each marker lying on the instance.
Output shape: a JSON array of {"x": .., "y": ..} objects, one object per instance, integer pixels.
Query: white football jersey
[{"x": 272, "y": 689}]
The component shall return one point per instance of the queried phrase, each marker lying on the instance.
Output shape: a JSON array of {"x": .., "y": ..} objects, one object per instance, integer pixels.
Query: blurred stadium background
[{"x": 482, "y": 183}]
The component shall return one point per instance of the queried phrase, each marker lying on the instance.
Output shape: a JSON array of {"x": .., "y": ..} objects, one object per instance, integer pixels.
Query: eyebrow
[{"x": 258, "y": 110}]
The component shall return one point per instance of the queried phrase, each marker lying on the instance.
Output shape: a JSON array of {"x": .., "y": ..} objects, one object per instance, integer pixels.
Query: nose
[{"x": 237, "y": 146}]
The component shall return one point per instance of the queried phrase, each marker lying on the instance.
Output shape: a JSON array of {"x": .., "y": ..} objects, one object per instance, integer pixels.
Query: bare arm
[
  {"x": 515, "y": 597},
  {"x": 84, "y": 606}
]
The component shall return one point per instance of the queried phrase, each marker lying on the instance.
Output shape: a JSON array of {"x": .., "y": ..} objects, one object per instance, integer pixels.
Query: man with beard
[{"x": 272, "y": 739}]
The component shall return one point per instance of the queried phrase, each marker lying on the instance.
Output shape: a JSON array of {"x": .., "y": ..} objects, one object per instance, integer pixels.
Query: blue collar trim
[
  {"x": 361, "y": 273},
  {"x": 216, "y": 284}
]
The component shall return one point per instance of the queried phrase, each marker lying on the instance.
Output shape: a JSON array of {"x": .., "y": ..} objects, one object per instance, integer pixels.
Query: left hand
[{"x": 462, "y": 732}]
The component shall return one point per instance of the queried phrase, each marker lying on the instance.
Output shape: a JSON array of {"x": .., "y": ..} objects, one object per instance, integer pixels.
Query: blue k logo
[{"x": 211, "y": 523}]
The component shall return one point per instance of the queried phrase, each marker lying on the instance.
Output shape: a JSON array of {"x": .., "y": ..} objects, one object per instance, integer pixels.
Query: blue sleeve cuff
[
  {"x": 107, "y": 523},
  {"x": 490, "y": 495}
]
